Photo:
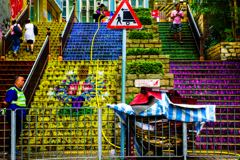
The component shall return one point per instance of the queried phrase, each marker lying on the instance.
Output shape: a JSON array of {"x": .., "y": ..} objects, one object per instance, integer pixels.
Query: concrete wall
[{"x": 224, "y": 51}]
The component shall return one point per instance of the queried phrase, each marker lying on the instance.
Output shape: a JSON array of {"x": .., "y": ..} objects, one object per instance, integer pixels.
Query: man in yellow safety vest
[{"x": 15, "y": 99}]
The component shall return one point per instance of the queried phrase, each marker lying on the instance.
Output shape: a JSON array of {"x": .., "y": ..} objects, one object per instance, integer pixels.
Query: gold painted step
[
  {"x": 55, "y": 29},
  {"x": 72, "y": 85}
]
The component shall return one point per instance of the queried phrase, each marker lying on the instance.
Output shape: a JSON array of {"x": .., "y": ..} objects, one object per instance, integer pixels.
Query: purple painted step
[{"x": 218, "y": 83}]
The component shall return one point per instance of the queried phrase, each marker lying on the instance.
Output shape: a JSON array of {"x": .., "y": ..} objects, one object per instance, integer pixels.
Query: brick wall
[{"x": 224, "y": 51}]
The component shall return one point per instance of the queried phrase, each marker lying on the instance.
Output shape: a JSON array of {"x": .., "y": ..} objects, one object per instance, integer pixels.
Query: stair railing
[
  {"x": 197, "y": 35},
  {"x": 6, "y": 38},
  {"x": 64, "y": 36},
  {"x": 37, "y": 70}
]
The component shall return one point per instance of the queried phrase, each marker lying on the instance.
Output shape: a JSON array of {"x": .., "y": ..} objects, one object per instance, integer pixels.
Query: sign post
[
  {"x": 124, "y": 42},
  {"x": 124, "y": 18}
]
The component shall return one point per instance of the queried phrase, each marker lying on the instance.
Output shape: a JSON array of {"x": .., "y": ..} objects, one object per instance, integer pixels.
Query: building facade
[{"x": 86, "y": 8}]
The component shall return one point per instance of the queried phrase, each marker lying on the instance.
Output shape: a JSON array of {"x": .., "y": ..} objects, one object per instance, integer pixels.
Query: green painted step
[{"x": 172, "y": 40}]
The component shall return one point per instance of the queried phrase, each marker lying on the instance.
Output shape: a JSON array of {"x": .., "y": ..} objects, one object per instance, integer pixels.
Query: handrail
[
  {"x": 6, "y": 38},
  {"x": 190, "y": 13},
  {"x": 197, "y": 35},
  {"x": 64, "y": 36},
  {"x": 36, "y": 71}
]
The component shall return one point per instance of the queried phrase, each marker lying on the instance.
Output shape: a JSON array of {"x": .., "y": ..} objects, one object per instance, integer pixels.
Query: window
[
  {"x": 64, "y": 10},
  {"x": 140, "y": 3},
  {"x": 70, "y": 6},
  {"x": 91, "y": 3},
  {"x": 84, "y": 3},
  {"x": 49, "y": 16},
  {"x": 133, "y": 3},
  {"x": 84, "y": 17},
  {"x": 32, "y": 14},
  {"x": 90, "y": 16},
  {"x": 105, "y": 2}
]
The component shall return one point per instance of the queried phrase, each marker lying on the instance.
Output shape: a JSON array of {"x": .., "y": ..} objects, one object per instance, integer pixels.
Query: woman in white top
[{"x": 29, "y": 35}]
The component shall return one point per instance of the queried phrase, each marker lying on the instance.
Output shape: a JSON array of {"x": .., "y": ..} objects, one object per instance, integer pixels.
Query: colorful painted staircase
[
  {"x": 177, "y": 51},
  {"x": 72, "y": 83},
  {"x": 213, "y": 82},
  {"x": 55, "y": 29},
  {"x": 8, "y": 69},
  {"x": 107, "y": 43}
]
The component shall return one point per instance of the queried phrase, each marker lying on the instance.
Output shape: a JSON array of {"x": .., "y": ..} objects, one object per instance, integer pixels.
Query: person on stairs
[
  {"x": 15, "y": 38},
  {"x": 177, "y": 15},
  {"x": 29, "y": 35},
  {"x": 99, "y": 12},
  {"x": 15, "y": 99}
]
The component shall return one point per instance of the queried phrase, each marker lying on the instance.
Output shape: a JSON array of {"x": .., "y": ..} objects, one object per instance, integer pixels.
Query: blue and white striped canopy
[{"x": 177, "y": 112}]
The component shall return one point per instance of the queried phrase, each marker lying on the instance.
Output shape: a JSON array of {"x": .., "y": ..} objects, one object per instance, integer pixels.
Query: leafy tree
[{"x": 223, "y": 17}]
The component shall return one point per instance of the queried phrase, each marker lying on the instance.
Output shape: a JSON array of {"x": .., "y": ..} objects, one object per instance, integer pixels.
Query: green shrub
[
  {"x": 144, "y": 15},
  {"x": 145, "y": 20},
  {"x": 143, "y": 51},
  {"x": 144, "y": 67},
  {"x": 130, "y": 99},
  {"x": 140, "y": 35}
]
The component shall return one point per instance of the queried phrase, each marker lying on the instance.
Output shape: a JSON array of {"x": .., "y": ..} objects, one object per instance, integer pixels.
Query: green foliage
[
  {"x": 145, "y": 20},
  {"x": 130, "y": 99},
  {"x": 144, "y": 67},
  {"x": 140, "y": 35},
  {"x": 143, "y": 51},
  {"x": 144, "y": 15},
  {"x": 221, "y": 15}
]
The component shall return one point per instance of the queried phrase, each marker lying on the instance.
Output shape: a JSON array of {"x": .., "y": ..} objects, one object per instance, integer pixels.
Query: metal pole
[
  {"x": 38, "y": 11},
  {"x": 185, "y": 140},
  {"x": 13, "y": 135},
  {"x": 124, "y": 40},
  {"x": 100, "y": 133}
]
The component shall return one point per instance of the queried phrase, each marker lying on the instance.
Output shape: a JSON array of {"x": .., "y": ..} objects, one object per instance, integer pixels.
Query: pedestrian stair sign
[{"x": 124, "y": 18}]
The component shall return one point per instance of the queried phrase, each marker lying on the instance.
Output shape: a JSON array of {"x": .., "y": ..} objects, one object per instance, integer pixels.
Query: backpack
[
  {"x": 17, "y": 31},
  {"x": 35, "y": 30}
]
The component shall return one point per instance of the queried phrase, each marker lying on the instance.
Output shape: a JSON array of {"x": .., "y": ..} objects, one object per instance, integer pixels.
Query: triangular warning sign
[{"x": 124, "y": 18}]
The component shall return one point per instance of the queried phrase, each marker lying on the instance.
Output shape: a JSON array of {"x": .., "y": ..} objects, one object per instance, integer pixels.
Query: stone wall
[
  {"x": 224, "y": 51},
  {"x": 166, "y": 79},
  {"x": 150, "y": 28},
  {"x": 144, "y": 43}
]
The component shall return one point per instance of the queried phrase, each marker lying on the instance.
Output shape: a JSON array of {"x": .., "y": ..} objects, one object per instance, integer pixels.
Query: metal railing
[
  {"x": 64, "y": 36},
  {"x": 5, "y": 132},
  {"x": 220, "y": 138},
  {"x": 197, "y": 35},
  {"x": 37, "y": 70},
  {"x": 6, "y": 38},
  {"x": 91, "y": 132}
]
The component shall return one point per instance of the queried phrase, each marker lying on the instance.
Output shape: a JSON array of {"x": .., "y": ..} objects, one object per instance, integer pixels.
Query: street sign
[
  {"x": 124, "y": 18},
  {"x": 147, "y": 83}
]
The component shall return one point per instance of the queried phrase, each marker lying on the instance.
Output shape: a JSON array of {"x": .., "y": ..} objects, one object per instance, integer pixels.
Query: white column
[
  {"x": 136, "y": 3},
  {"x": 67, "y": 10},
  {"x": 95, "y": 5},
  {"x": 109, "y": 5},
  {"x": 80, "y": 10},
  {"x": 87, "y": 10},
  {"x": 129, "y": 2}
]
